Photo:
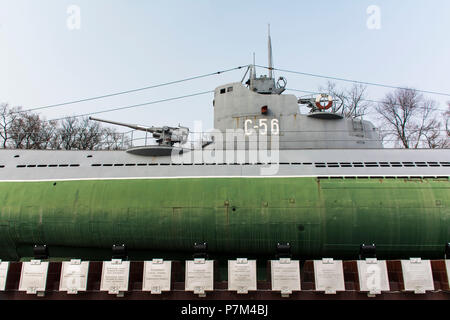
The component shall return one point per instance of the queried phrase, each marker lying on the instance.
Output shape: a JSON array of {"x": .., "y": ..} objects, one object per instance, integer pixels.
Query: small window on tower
[
  {"x": 222, "y": 91},
  {"x": 230, "y": 89}
]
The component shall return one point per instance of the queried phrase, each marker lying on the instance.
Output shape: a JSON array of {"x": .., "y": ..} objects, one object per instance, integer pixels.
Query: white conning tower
[{"x": 260, "y": 107}]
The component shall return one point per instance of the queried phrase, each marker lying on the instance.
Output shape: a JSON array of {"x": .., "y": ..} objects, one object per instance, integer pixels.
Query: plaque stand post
[
  {"x": 73, "y": 291},
  {"x": 156, "y": 290},
  {"x": 200, "y": 291}
]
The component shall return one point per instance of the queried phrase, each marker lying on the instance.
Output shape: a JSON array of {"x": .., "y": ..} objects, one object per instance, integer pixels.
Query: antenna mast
[
  {"x": 270, "y": 57},
  {"x": 254, "y": 66}
]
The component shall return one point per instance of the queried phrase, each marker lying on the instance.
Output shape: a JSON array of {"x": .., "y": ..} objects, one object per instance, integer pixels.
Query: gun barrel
[{"x": 131, "y": 126}]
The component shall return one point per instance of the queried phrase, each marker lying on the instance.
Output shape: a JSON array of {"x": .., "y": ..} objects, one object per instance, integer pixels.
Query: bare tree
[
  {"x": 28, "y": 131},
  {"x": 7, "y": 117},
  {"x": 47, "y": 134},
  {"x": 410, "y": 120},
  {"x": 113, "y": 140},
  {"x": 79, "y": 134},
  {"x": 68, "y": 133},
  {"x": 447, "y": 119},
  {"x": 351, "y": 102},
  {"x": 25, "y": 130},
  {"x": 90, "y": 135}
]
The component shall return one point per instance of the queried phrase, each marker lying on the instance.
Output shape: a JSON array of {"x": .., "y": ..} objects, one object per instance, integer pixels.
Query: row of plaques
[{"x": 285, "y": 276}]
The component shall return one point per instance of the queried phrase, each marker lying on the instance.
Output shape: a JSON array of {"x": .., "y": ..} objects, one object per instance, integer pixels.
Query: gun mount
[
  {"x": 165, "y": 136},
  {"x": 318, "y": 109}
]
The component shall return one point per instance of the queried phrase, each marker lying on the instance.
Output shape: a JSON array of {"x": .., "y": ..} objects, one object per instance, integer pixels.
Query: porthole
[
  {"x": 333, "y": 165},
  {"x": 396, "y": 165},
  {"x": 421, "y": 164},
  {"x": 371, "y": 164},
  {"x": 320, "y": 165},
  {"x": 434, "y": 164}
]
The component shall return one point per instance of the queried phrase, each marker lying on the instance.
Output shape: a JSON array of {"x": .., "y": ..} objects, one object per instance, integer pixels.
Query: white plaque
[
  {"x": 74, "y": 276},
  {"x": 3, "y": 274},
  {"x": 33, "y": 278},
  {"x": 447, "y": 264},
  {"x": 157, "y": 275},
  {"x": 329, "y": 276},
  {"x": 373, "y": 276},
  {"x": 115, "y": 276},
  {"x": 242, "y": 275},
  {"x": 285, "y": 276},
  {"x": 417, "y": 275},
  {"x": 199, "y": 276}
]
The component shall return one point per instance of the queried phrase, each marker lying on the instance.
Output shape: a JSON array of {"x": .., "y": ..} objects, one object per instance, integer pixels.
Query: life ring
[{"x": 319, "y": 100}]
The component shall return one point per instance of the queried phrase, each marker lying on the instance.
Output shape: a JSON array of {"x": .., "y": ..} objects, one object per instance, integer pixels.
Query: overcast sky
[{"x": 123, "y": 45}]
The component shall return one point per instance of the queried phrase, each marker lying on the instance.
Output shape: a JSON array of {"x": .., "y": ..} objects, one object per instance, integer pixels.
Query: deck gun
[{"x": 165, "y": 136}]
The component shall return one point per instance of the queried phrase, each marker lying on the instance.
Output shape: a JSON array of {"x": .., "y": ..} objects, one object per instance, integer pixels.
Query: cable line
[
  {"x": 354, "y": 81},
  {"x": 133, "y": 106},
  {"x": 131, "y": 91}
]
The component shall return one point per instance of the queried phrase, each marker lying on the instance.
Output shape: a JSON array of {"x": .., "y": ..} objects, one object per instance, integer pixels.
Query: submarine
[{"x": 269, "y": 174}]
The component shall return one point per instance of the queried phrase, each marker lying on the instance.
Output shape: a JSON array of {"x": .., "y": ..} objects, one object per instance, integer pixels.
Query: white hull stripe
[{"x": 214, "y": 177}]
